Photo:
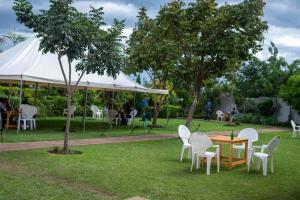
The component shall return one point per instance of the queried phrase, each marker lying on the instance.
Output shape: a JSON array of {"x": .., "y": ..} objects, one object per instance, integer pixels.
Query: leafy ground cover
[
  {"x": 52, "y": 129},
  {"x": 149, "y": 169}
]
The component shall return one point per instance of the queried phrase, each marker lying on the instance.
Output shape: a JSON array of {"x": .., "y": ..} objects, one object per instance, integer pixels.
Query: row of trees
[
  {"x": 188, "y": 44},
  {"x": 182, "y": 48}
]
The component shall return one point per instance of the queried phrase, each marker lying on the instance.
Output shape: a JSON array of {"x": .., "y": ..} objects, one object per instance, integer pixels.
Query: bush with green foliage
[
  {"x": 266, "y": 108},
  {"x": 290, "y": 92},
  {"x": 173, "y": 110}
]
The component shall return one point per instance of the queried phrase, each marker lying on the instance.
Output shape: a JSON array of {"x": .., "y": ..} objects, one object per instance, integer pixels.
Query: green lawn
[
  {"x": 148, "y": 169},
  {"x": 52, "y": 129}
]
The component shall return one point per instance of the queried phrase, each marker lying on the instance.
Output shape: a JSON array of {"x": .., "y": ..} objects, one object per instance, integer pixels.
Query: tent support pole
[
  {"x": 20, "y": 102},
  {"x": 112, "y": 108},
  {"x": 9, "y": 93},
  {"x": 168, "y": 110},
  {"x": 132, "y": 125},
  {"x": 35, "y": 94},
  {"x": 85, "y": 104}
]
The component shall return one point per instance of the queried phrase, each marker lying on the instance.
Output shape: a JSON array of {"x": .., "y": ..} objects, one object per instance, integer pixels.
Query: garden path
[{"x": 110, "y": 140}]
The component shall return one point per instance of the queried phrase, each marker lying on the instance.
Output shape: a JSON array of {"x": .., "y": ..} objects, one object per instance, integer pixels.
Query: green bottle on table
[{"x": 232, "y": 136}]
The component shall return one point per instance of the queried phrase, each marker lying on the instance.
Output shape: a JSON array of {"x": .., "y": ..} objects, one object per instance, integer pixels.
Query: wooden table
[
  {"x": 231, "y": 161},
  {"x": 9, "y": 116}
]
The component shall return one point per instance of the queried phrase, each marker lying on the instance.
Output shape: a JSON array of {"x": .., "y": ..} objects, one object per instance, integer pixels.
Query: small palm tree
[
  {"x": 14, "y": 37},
  {"x": 2, "y": 40}
]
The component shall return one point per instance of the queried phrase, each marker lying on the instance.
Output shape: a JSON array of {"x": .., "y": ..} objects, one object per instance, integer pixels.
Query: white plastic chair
[
  {"x": 27, "y": 112},
  {"x": 185, "y": 134},
  {"x": 113, "y": 115},
  {"x": 220, "y": 115},
  {"x": 263, "y": 156},
  {"x": 72, "y": 110},
  {"x": 97, "y": 113},
  {"x": 295, "y": 128},
  {"x": 200, "y": 143},
  {"x": 131, "y": 116},
  {"x": 252, "y": 135}
]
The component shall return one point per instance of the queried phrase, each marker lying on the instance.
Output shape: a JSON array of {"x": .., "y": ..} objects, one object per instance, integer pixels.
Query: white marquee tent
[{"x": 26, "y": 63}]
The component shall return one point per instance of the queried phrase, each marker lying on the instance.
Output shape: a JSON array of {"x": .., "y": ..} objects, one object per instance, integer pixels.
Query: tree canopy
[
  {"x": 210, "y": 39},
  {"x": 64, "y": 30},
  {"x": 148, "y": 51}
]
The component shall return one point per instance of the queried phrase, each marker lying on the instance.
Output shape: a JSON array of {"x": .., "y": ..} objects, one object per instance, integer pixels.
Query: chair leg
[
  {"x": 182, "y": 152},
  {"x": 25, "y": 124},
  {"x": 257, "y": 163},
  {"x": 265, "y": 166},
  {"x": 293, "y": 136},
  {"x": 218, "y": 163},
  {"x": 272, "y": 165},
  {"x": 193, "y": 160},
  {"x": 189, "y": 153},
  {"x": 208, "y": 159},
  {"x": 249, "y": 159},
  {"x": 198, "y": 162},
  {"x": 19, "y": 124}
]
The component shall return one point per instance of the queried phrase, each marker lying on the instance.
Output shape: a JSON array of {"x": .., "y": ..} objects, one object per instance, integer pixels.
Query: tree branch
[{"x": 62, "y": 70}]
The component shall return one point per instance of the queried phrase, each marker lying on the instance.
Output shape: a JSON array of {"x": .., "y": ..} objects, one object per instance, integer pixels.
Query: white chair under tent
[
  {"x": 131, "y": 116},
  {"x": 97, "y": 113},
  {"x": 27, "y": 117},
  {"x": 72, "y": 110}
]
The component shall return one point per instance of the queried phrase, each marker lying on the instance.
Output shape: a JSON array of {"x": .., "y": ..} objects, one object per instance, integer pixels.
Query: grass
[
  {"x": 149, "y": 169},
  {"x": 52, "y": 129}
]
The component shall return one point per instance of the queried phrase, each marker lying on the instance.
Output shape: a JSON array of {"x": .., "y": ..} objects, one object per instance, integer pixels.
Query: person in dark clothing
[
  {"x": 2, "y": 110},
  {"x": 207, "y": 109}
]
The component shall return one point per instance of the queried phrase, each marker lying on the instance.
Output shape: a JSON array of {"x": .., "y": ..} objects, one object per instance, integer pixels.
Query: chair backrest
[
  {"x": 133, "y": 113},
  {"x": 184, "y": 133},
  {"x": 293, "y": 125},
  {"x": 219, "y": 113},
  {"x": 95, "y": 109},
  {"x": 73, "y": 109},
  {"x": 200, "y": 143},
  {"x": 28, "y": 111},
  {"x": 272, "y": 146},
  {"x": 249, "y": 133},
  {"x": 111, "y": 114}
]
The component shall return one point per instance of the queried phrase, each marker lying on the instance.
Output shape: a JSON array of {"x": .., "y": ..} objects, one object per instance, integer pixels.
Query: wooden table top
[
  {"x": 11, "y": 112},
  {"x": 227, "y": 139}
]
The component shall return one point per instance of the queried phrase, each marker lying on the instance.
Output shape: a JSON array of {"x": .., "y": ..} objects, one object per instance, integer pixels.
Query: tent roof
[{"x": 25, "y": 62}]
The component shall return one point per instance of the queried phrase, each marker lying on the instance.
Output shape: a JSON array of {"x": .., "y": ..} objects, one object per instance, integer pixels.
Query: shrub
[
  {"x": 266, "y": 108},
  {"x": 248, "y": 118},
  {"x": 174, "y": 111}
]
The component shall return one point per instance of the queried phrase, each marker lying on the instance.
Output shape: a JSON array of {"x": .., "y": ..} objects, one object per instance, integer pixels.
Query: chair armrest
[
  {"x": 217, "y": 146},
  {"x": 262, "y": 147}
]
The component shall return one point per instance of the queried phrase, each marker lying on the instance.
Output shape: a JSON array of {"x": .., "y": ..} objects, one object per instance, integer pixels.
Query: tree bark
[
  {"x": 156, "y": 110},
  {"x": 196, "y": 95},
  {"x": 68, "y": 121}
]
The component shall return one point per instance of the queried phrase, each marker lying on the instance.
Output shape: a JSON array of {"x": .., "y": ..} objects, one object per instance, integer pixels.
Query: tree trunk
[
  {"x": 192, "y": 108},
  {"x": 196, "y": 95},
  {"x": 68, "y": 121},
  {"x": 156, "y": 110}
]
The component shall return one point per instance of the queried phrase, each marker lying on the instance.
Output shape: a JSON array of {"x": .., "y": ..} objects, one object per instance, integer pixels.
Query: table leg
[
  {"x": 246, "y": 152},
  {"x": 7, "y": 120},
  {"x": 230, "y": 156},
  {"x": 220, "y": 153}
]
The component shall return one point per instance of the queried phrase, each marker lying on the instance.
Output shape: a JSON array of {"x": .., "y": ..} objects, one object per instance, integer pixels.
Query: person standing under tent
[
  {"x": 2, "y": 111},
  {"x": 207, "y": 109}
]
